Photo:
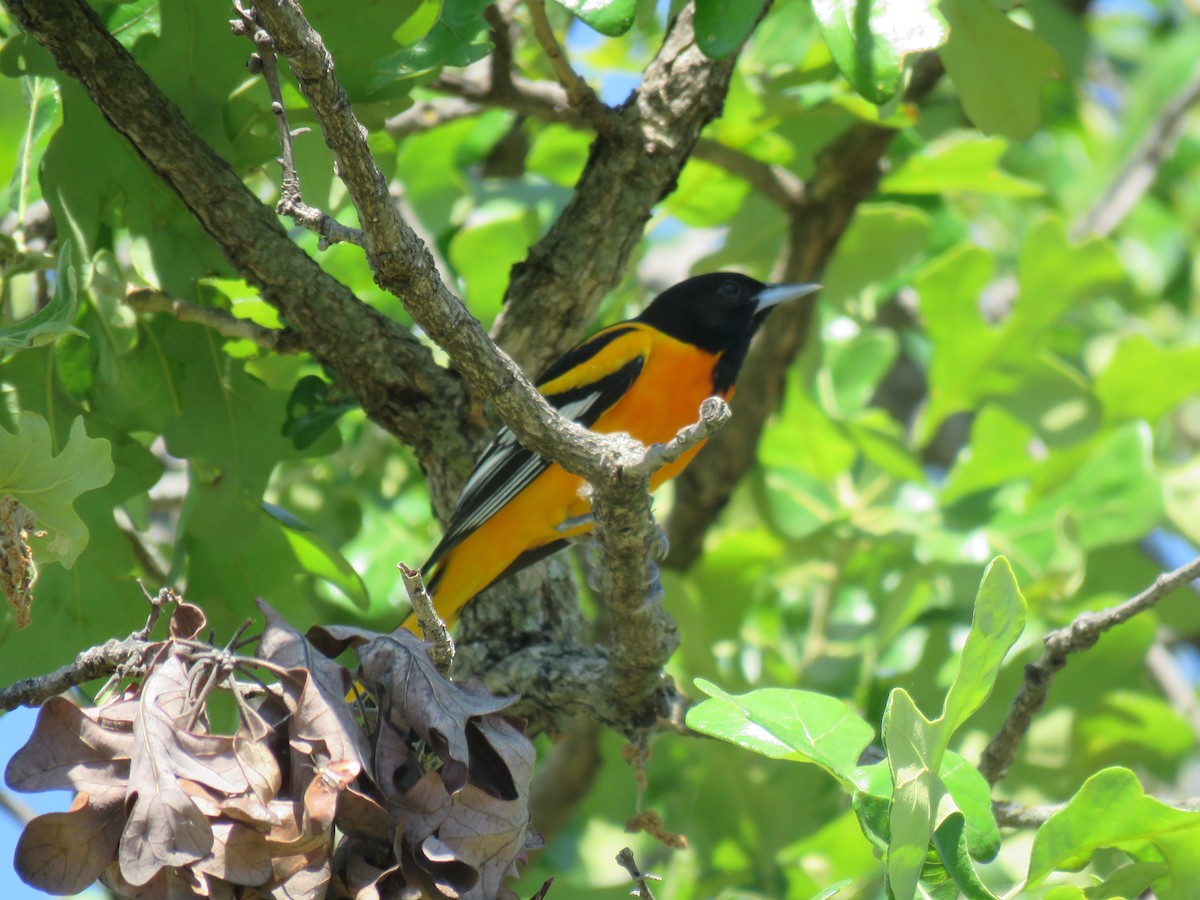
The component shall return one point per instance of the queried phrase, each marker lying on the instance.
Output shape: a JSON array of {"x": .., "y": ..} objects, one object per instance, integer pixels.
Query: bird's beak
[{"x": 774, "y": 294}]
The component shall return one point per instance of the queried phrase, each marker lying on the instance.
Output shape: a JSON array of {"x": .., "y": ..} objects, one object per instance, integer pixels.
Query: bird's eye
[{"x": 730, "y": 289}]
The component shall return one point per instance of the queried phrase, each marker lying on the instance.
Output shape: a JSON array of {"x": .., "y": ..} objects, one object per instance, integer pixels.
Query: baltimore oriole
[{"x": 647, "y": 377}]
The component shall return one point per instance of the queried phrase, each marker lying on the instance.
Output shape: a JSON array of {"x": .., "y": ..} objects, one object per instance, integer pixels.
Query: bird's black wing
[{"x": 582, "y": 384}]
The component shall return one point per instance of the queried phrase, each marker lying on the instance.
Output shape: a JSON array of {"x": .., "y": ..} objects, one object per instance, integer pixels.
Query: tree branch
[
  {"x": 617, "y": 467},
  {"x": 1081, "y": 634},
  {"x": 467, "y": 96},
  {"x": 277, "y": 340},
  {"x": 388, "y": 370},
  {"x": 643, "y": 635},
  {"x": 1138, "y": 174},
  {"x": 554, "y": 293},
  {"x": 579, "y": 93},
  {"x": 93, "y": 663}
]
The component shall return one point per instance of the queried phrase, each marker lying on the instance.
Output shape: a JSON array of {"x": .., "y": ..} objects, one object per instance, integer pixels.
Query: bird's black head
[{"x": 719, "y": 313}]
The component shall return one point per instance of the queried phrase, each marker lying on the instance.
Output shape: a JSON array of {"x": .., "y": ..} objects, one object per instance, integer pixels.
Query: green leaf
[
  {"x": 973, "y": 796},
  {"x": 1146, "y": 381},
  {"x": 869, "y": 39},
  {"x": 1114, "y": 492},
  {"x": 958, "y": 163},
  {"x": 873, "y": 801},
  {"x": 855, "y": 366},
  {"x": 920, "y": 801},
  {"x": 320, "y": 558},
  {"x": 419, "y": 24},
  {"x": 130, "y": 20},
  {"x": 880, "y": 439},
  {"x": 1000, "y": 451},
  {"x": 998, "y": 67},
  {"x": 950, "y": 840},
  {"x": 48, "y": 484},
  {"x": 707, "y": 195},
  {"x": 54, "y": 319},
  {"x": 806, "y": 439},
  {"x": 998, "y": 620},
  {"x": 94, "y": 181},
  {"x": 452, "y": 41},
  {"x": 785, "y": 724},
  {"x": 484, "y": 252},
  {"x": 974, "y": 360},
  {"x": 1112, "y": 810},
  {"x": 882, "y": 240},
  {"x": 41, "y": 96},
  {"x": 609, "y": 17},
  {"x": 723, "y": 25},
  {"x": 97, "y": 598},
  {"x": 798, "y": 503},
  {"x": 313, "y": 407},
  {"x": 1132, "y": 880}
]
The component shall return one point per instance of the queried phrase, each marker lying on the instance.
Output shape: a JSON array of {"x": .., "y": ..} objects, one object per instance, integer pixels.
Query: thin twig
[
  {"x": 1138, "y": 174},
  {"x": 775, "y": 183},
  {"x": 425, "y": 115},
  {"x": 626, "y": 860},
  {"x": 1081, "y": 634},
  {"x": 549, "y": 103},
  {"x": 277, "y": 340},
  {"x": 433, "y": 629},
  {"x": 714, "y": 413},
  {"x": 291, "y": 201},
  {"x": 1177, "y": 687},
  {"x": 18, "y": 811},
  {"x": 1018, "y": 815},
  {"x": 579, "y": 93}
]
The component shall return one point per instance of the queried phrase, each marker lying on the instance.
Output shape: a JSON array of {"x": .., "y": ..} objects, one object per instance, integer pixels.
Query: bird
[{"x": 647, "y": 377}]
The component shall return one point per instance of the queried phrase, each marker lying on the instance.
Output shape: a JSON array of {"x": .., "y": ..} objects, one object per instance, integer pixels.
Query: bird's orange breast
[{"x": 675, "y": 379}]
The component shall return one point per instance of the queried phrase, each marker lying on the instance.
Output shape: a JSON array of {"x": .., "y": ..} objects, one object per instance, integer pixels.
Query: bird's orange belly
[{"x": 664, "y": 398}]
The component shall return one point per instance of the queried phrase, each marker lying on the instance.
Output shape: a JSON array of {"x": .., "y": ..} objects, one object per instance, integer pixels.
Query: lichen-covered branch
[
  {"x": 388, "y": 370},
  {"x": 93, "y": 663}
]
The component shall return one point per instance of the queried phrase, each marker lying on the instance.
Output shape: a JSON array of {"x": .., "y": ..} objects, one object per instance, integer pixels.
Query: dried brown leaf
[
  {"x": 423, "y": 808},
  {"x": 301, "y": 845},
  {"x": 168, "y": 884},
  {"x": 501, "y": 758},
  {"x": 239, "y": 855},
  {"x": 410, "y": 690},
  {"x": 187, "y": 621},
  {"x": 315, "y": 691},
  {"x": 62, "y": 853},
  {"x": 363, "y": 816},
  {"x": 165, "y": 828},
  {"x": 448, "y": 873},
  {"x": 305, "y": 884},
  {"x": 487, "y": 834},
  {"x": 70, "y": 749},
  {"x": 365, "y": 870}
]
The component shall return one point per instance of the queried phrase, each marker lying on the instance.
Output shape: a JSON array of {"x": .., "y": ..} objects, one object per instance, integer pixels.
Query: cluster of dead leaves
[{"x": 419, "y": 791}]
